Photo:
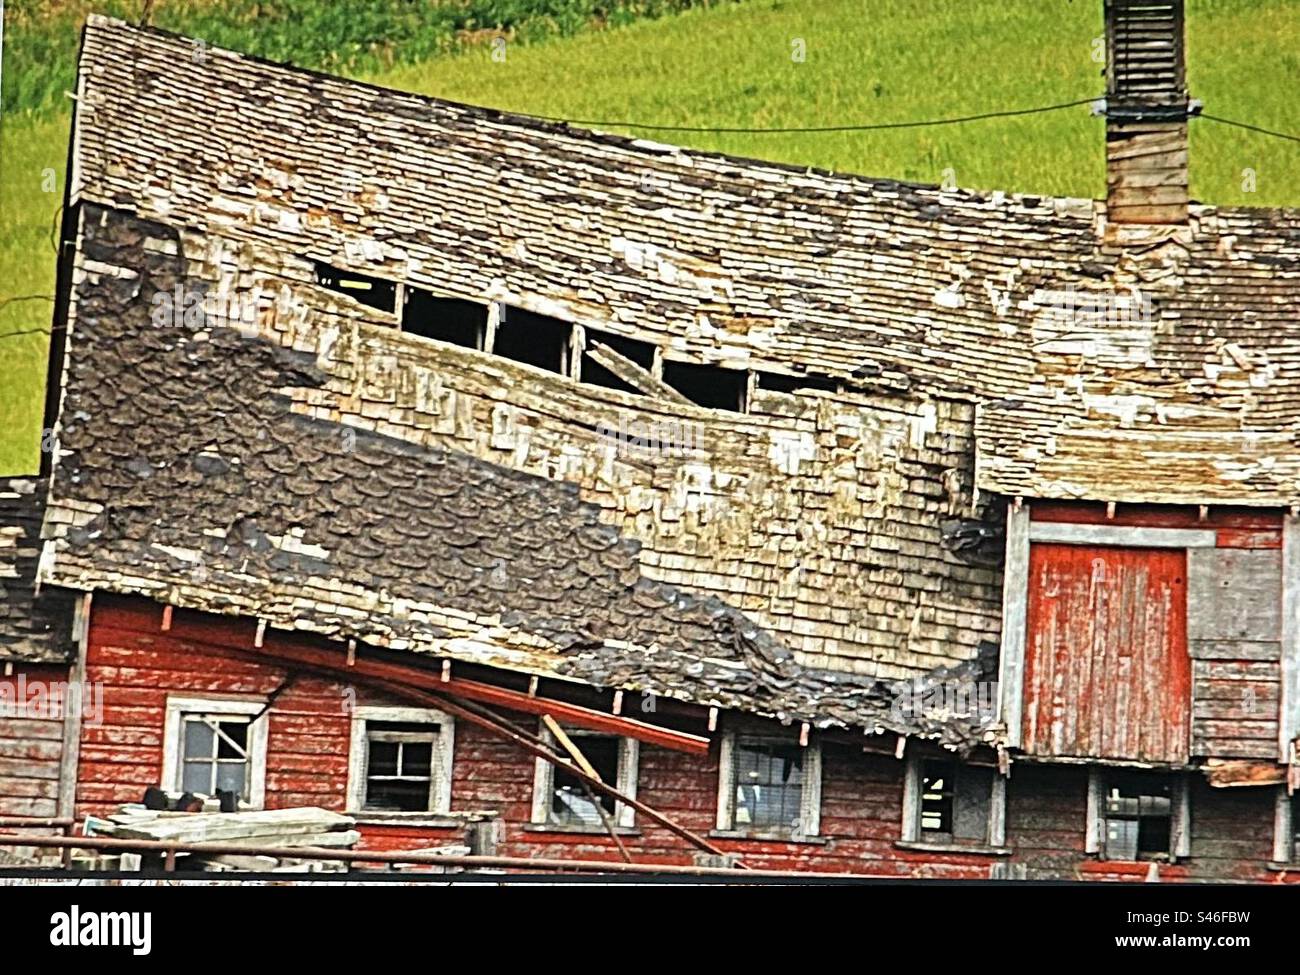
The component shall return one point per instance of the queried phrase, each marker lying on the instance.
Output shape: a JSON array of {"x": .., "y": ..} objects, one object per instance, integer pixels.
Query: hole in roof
[
  {"x": 536, "y": 340},
  {"x": 792, "y": 384},
  {"x": 371, "y": 291},
  {"x": 451, "y": 320},
  {"x": 710, "y": 386}
]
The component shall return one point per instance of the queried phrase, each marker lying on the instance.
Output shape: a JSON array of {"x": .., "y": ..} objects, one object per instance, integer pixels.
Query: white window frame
[
  {"x": 629, "y": 761},
  {"x": 1180, "y": 815},
  {"x": 810, "y": 800},
  {"x": 174, "y": 747},
  {"x": 910, "y": 829},
  {"x": 444, "y": 750}
]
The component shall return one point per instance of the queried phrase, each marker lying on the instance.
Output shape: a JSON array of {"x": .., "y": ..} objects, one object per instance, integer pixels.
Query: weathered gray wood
[
  {"x": 1015, "y": 609},
  {"x": 1234, "y": 594},
  {"x": 1287, "y": 723},
  {"x": 1072, "y": 534},
  {"x": 998, "y": 811},
  {"x": 1283, "y": 843},
  {"x": 274, "y": 823},
  {"x": 909, "y": 828},
  {"x": 1233, "y": 649}
]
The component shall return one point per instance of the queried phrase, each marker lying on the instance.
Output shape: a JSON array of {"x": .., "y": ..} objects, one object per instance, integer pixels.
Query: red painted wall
[
  {"x": 309, "y": 740},
  {"x": 1107, "y": 673}
]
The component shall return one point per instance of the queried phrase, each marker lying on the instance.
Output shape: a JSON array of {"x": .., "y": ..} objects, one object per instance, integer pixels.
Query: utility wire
[
  {"x": 1248, "y": 126},
  {"x": 855, "y": 127}
]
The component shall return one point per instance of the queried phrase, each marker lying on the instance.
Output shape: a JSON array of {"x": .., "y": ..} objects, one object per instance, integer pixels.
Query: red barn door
[{"x": 1107, "y": 672}]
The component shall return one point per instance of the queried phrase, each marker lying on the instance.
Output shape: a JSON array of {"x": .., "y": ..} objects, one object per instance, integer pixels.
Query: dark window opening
[
  {"x": 374, "y": 292},
  {"x": 769, "y": 785},
  {"x": 452, "y": 320},
  {"x": 534, "y": 340},
  {"x": 710, "y": 386},
  {"x": 572, "y": 803},
  {"x": 792, "y": 384},
  {"x": 1139, "y": 818},
  {"x": 642, "y": 353},
  {"x": 955, "y": 802},
  {"x": 399, "y": 765}
]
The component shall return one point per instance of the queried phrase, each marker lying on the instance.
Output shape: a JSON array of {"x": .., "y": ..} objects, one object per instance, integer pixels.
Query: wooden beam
[
  {"x": 567, "y": 744},
  {"x": 1015, "y": 612},
  {"x": 416, "y": 676},
  {"x": 575, "y": 753},
  {"x": 1288, "y": 725},
  {"x": 530, "y": 744},
  {"x": 635, "y": 376},
  {"x": 1077, "y": 534}
]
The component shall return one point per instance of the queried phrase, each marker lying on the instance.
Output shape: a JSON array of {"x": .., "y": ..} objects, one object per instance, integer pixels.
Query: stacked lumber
[{"x": 251, "y": 831}]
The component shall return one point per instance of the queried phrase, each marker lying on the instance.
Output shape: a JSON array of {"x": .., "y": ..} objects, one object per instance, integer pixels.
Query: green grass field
[{"x": 733, "y": 65}]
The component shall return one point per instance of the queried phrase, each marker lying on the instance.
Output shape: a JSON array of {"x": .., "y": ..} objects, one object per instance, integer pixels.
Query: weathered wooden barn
[{"x": 819, "y": 522}]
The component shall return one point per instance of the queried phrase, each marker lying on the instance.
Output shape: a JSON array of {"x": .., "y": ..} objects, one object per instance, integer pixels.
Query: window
[
  {"x": 709, "y": 386},
  {"x": 947, "y": 803},
  {"x": 642, "y": 353},
  {"x": 451, "y": 320},
  {"x": 769, "y": 786},
  {"x": 374, "y": 292},
  {"x": 400, "y": 762},
  {"x": 215, "y": 744},
  {"x": 560, "y": 799},
  {"x": 1137, "y": 816},
  {"x": 533, "y": 339}
]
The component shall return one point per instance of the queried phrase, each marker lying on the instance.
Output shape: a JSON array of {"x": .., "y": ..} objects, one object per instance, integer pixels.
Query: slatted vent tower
[{"x": 1146, "y": 112}]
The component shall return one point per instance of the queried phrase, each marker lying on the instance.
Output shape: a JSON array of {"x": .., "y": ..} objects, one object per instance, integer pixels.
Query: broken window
[
  {"x": 792, "y": 384},
  {"x": 371, "y": 291},
  {"x": 642, "y": 353},
  {"x": 534, "y": 340},
  {"x": 709, "y": 386},
  {"x": 215, "y": 754},
  {"x": 955, "y": 802},
  {"x": 1138, "y": 813},
  {"x": 769, "y": 785},
  {"x": 451, "y": 320},
  {"x": 400, "y": 766},
  {"x": 948, "y": 803},
  {"x": 215, "y": 744},
  {"x": 561, "y": 799}
]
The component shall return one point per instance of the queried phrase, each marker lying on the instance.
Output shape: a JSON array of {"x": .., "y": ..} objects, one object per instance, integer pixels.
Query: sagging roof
[{"x": 984, "y": 295}]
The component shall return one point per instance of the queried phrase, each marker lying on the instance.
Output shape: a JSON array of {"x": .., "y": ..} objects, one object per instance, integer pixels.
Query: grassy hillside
[{"x": 732, "y": 65}]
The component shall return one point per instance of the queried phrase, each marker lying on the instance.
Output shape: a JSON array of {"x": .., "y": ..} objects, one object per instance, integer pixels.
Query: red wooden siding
[
  {"x": 1107, "y": 672},
  {"x": 308, "y": 741}
]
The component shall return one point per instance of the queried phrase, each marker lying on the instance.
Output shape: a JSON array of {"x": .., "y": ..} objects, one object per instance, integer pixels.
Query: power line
[
  {"x": 853, "y": 127},
  {"x": 1252, "y": 128}
]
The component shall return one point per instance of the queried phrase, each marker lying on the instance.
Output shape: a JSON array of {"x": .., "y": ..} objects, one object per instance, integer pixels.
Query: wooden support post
[
  {"x": 1289, "y": 703},
  {"x": 1015, "y": 610}
]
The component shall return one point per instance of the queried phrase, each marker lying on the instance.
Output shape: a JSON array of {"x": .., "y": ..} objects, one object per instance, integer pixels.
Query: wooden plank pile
[{"x": 251, "y": 830}]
